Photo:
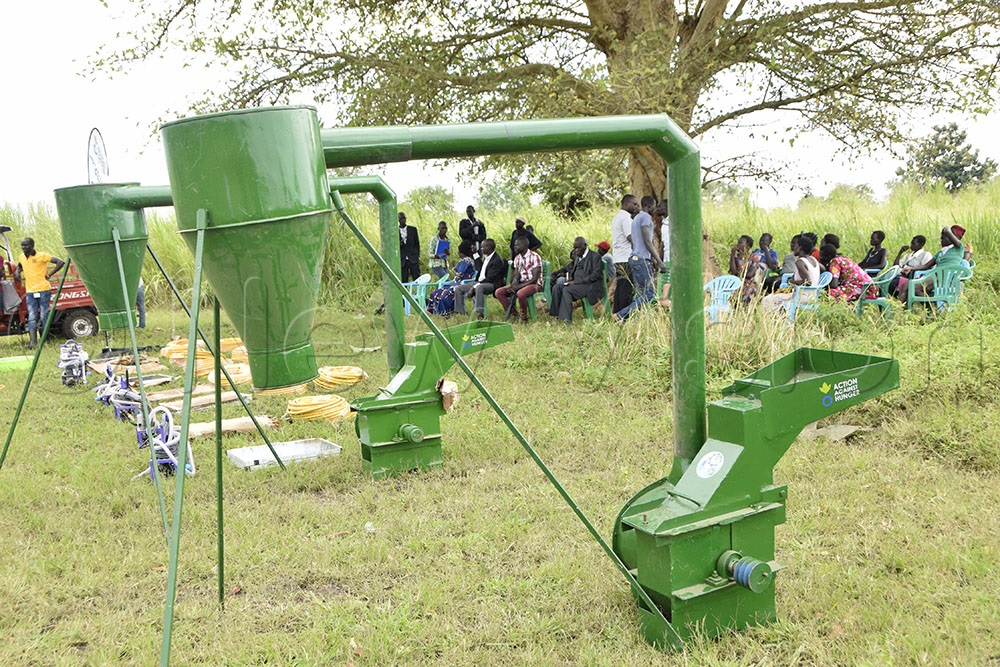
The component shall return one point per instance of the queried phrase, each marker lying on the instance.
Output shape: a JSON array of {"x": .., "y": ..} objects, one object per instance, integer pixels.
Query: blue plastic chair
[
  {"x": 720, "y": 290},
  {"x": 419, "y": 289},
  {"x": 810, "y": 303}
]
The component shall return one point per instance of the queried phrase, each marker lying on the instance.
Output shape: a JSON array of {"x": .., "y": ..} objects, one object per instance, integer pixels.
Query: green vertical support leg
[
  {"x": 217, "y": 355},
  {"x": 154, "y": 470},
  {"x": 34, "y": 364},
  {"x": 175, "y": 538}
]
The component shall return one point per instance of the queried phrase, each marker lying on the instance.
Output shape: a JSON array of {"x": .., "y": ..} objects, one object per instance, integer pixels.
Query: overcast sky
[{"x": 49, "y": 110}]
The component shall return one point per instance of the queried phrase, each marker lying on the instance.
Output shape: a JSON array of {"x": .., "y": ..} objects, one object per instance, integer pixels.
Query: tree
[
  {"x": 430, "y": 201},
  {"x": 851, "y": 68},
  {"x": 945, "y": 158}
]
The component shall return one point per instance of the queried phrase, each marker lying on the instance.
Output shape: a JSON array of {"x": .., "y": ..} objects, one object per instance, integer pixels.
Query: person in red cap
[
  {"x": 604, "y": 252},
  {"x": 950, "y": 255}
]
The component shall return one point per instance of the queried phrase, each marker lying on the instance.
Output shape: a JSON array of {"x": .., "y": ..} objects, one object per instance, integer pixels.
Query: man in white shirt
[{"x": 621, "y": 248}]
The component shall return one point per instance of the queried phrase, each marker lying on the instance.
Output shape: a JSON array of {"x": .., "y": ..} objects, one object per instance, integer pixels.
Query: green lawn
[{"x": 891, "y": 541}]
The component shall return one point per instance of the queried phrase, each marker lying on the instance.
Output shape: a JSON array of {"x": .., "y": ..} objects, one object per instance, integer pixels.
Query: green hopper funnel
[
  {"x": 260, "y": 178},
  {"x": 87, "y": 214}
]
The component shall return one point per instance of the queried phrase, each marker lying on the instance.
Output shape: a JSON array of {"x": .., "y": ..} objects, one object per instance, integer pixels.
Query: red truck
[{"x": 75, "y": 315}]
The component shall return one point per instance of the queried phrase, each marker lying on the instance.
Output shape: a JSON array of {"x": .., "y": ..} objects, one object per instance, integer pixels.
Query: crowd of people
[
  {"x": 762, "y": 274},
  {"x": 629, "y": 268},
  {"x": 625, "y": 267}
]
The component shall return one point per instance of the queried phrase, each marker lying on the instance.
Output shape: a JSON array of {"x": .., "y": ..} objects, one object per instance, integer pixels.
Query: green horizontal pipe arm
[
  {"x": 637, "y": 589},
  {"x": 388, "y": 230},
  {"x": 135, "y": 197},
  {"x": 376, "y": 145}
]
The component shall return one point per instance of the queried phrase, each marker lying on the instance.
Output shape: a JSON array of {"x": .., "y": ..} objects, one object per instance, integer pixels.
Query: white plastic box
[{"x": 259, "y": 456}]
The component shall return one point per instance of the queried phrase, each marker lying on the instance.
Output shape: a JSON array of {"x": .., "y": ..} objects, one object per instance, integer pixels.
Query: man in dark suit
[
  {"x": 471, "y": 228},
  {"x": 491, "y": 273},
  {"x": 585, "y": 281},
  {"x": 409, "y": 251}
]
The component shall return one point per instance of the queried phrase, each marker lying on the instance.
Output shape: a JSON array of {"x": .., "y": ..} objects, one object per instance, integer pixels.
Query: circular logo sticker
[{"x": 709, "y": 464}]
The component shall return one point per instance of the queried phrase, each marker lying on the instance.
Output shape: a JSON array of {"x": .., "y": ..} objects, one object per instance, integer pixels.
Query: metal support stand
[{"x": 34, "y": 363}]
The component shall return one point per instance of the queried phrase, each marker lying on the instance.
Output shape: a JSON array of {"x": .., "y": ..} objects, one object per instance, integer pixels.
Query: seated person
[
  {"x": 815, "y": 239},
  {"x": 850, "y": 282},
  {"x": 907, "y": 263},
  {"x": 585, "y": 281},
  {"x": 558, "y": 276},
  {"x": 876, "y": 257},
  {"x": 491, "y": 273},
  {"x": 951, "y": 254},
  {"x": 442, "y": 300},
  {"x": 766, "y": 256},
  {"x": 772, "y": 283},
  {"x": 807, "y": 270},
  {"x": 527, "y": 280}
]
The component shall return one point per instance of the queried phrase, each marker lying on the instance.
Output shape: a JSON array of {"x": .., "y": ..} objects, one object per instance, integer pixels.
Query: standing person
[
  {"x": 33, "y": 266},
  {"x": 440, "y": 249},
  {"x": 409, "y": 251},
  {"x": 876, "y": 257},
  {"x": 527, "y": 280},
  {"x": 585, "y": 281},
  {"x": 140, "y": 303},
  {"x": 520, "y": 231},
  {"x": 621, "y": 249},
  {"x": 642, "y": 260},
  {"x": 471, "y": 228},
  {"x": 491, "y": 274},
  {"x": 661, "y": 230}
]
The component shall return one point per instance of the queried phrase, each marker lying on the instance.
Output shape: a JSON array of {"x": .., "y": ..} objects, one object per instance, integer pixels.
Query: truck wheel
[{"x": 79, "y": 323}]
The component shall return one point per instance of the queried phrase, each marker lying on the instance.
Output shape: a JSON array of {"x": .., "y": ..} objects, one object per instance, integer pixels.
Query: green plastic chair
[
  {"x": 882, "y": 281},
  {"x": 546, "y": 291},
  {"x": 947, "y": 286},
  {"x": 588, "y": 310}
]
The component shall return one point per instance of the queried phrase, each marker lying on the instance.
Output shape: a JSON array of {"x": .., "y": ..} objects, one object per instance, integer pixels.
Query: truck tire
[{"x": 79, "y": 323}]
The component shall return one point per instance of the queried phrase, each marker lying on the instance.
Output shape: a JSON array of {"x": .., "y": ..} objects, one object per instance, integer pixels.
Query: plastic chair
[
  {"x": 785, "y": 277},
  {"x": 882, "y": 301},
  {"x": 720, "y": 290},
  {"x": 419, "y": 289},
  {"x": 947, "y": 286},
  {"x": 588, "y": 310},
  {"x": 873, "y": 272},
  {"x": 807, "y": 296}
]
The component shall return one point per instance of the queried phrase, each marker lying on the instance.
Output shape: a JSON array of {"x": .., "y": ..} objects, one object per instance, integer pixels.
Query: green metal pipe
[
  {"x": 219, "y": 512},
  {"x": 388, "y": 226},
  {"x": 375, "y": 145}
]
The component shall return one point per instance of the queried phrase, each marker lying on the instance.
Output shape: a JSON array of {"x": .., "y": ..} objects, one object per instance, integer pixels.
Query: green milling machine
[{"x": 253, "y": 201}]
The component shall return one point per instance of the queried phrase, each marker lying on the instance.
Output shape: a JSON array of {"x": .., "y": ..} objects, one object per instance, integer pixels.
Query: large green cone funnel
[
  {"x": 87, "y": 214},
  {"x": 260, "y": 176}
]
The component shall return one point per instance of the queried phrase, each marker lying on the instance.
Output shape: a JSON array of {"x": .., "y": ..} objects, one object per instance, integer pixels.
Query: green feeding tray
[{"x": 15, "y": 363}]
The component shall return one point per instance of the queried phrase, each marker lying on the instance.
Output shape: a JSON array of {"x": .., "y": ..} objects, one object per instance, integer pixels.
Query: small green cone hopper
[
  {"x": 259, "y": 177},
  {"x": 87, "y": 214}
]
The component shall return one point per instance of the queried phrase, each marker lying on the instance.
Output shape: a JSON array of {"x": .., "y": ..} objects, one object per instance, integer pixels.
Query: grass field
[{"x": 891, "y": 541}]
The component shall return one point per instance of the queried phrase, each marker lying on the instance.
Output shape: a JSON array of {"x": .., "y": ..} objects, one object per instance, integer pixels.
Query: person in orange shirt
[{"x": 33, "y": 269}]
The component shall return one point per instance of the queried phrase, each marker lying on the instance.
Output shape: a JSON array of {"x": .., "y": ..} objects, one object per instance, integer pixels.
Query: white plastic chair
[{"x": 720, "y": 290}]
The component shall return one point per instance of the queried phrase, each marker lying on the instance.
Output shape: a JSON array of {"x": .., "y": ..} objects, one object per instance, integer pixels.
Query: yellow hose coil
[
  {"x": 332, "y": 377},
  {"x": 315, "y": 408},
  {"x": 239, "y": 372},
  {"x": 282, "y": 391},
  {"x": 239, "y": 355}
]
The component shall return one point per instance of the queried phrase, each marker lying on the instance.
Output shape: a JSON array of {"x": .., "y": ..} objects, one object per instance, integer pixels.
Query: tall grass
[{"x": 351, "y": 279}]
